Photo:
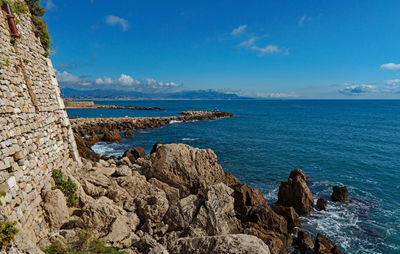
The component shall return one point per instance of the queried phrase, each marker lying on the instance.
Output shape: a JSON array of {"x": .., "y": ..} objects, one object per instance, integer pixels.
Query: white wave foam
[
  {"x": 190, "y": 139},
  {"x": 103, "y": 148},
  {"x": 175, "y": 121}
]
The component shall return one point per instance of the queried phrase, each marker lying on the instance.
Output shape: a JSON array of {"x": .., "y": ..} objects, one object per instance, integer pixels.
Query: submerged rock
[
  {"x": 340, "y": 194},
  {"x": 128, "y": 133},
  {"x": 222, "y": 244},
  {"x": 295, "y": 193},
  {"x": 323, "y": 245}
]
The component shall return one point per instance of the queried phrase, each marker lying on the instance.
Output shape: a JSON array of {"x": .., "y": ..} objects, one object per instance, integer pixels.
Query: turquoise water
[{"x": 353, "y": 142}]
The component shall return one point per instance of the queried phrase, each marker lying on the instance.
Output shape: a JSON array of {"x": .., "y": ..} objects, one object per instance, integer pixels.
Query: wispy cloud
[
  {"x": 265, "y": 50},
  {"x": 239, "y": 30},
  {"x": 117, "y": 21},
  {"x": 356, "y": 90},
  {"x": 390, "y": 66},
  {"x": 276, "y": 95},
  {"x": 124, "y": 81},
  {"x": 50, "y": 5},
  {"x": 303, "y": 19}
]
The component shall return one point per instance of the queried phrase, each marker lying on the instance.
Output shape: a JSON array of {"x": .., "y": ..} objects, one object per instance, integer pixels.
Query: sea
[{"x": 355, "y": 143}]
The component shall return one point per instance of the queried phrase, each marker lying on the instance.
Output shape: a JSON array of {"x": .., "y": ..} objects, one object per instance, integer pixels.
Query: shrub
[
  {"x": 19, "y": 8},
  {"x": 68, "y": 187},
  {"x": 7, "y": 233},
  {"x": 85, "y": 244}
]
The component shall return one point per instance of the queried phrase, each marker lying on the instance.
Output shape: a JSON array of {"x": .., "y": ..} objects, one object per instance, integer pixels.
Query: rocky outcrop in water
[
  {"x": 323, "y": 245},
  {"x": 295, "y": 193},
  {"x": 322, "y": 204},
  {"x": 340, "y": 194}
]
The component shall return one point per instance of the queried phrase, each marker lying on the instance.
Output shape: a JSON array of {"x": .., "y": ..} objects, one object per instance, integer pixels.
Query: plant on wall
[{"x": 68, "y": 187}]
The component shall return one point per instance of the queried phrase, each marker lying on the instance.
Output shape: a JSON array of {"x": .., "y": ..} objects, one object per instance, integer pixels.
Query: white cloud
[
  {"x": 50, "y": 5},
  {"x": 239, "y": 30},
  {"x": 393, "y": 81},
  {"x": 117, "y": 21},
  {"x": 266, "y": 50},
  {"x": 66, "y": 77},
  {"x": 127, "y": 80},
  {"x": 390, "y": 66},
  {"x": 353, "y": 89}
]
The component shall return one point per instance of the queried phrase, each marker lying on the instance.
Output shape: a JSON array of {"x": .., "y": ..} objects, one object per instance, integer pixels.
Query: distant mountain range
[{"x": 118, "y": 94}]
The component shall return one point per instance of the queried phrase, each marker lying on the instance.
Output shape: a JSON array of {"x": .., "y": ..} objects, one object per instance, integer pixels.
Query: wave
[
  {"x": 190, "y": 139},
  {"x": 175, "y": 121}
]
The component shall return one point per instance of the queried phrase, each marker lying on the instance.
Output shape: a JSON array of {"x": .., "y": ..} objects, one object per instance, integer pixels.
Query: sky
[{"x": 342, "y": 49}]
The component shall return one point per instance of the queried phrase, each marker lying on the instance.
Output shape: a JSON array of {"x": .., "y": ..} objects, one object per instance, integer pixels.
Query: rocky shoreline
[{"x": 178, "y": 199}]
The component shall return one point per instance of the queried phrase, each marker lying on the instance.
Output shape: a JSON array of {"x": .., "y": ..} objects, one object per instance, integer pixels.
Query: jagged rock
[
  {"x": 322, "y": 204},
  {"x": 138, "y": 152},
  {"x": 303, "y": 241},
  {"x": 221, "y": 244},
  {"x": 124, "y": 161},
  {"x": 111, "y": 136},
  {"x": 152, "y": 207},
  {"x": 290, "y": 216},
  {"x": 245, "y": 196},
  {"x": 340, "y": 194},
  {"x": 92, "y": 140},
  {"x": 186, "y": 168},
  {"x": 155, "y": 147},
  {"x": 217, "y": 215},
  {"x": 148, "y": 245},
  {"x": 122, "y": 227},
  {"x": 276, "y": 242},
  {"x": 128, "y": 133},
  {"x": 56, "y": 208},
  {"x": 295, "y": 193},
  {"x": 123, "y": 170},
  {"x": 181, "y": 215},
  {"x": 267, "y": 219},
  {"x": 100, "y": 213},
  {"x": 171, "y": 192},
  {"x": 323, "y": 245},
  {"x": 231, "y": 180}
]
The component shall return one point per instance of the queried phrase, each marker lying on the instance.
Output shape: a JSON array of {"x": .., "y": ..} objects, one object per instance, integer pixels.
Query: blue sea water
[{"x": 336, "y": 142}]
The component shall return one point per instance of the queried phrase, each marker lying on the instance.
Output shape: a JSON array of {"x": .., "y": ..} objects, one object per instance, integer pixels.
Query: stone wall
[
  {"x": 78, "y": 104},
  {"x": 35, "y": 132}
]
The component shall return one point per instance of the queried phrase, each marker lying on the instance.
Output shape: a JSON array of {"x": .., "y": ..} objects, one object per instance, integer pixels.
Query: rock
[
  {"x": 323, "y": 245},
  {"x": 290, "y": 216},
  {"x": 123, "y": 170},
  {"x": 231, "y": 180},
  {"x": 85, "y": 151},
  {"x": 181, "y": 215},
  {"x": 92, "y": 140},
  {"x": 171, "y": 192},
  {"x": 148, "y": 245},
  {"x": 221, "y": 244},
  {"x": 185, "y": 168},
  {"x": 152, "y": 207},
  {"x": 100, "y": 213},
  {"x": 139, "y": 152},
  {"x": 137, "y": 186},
  {"x": 122, "y": 227},
  {"x": 295, "y": 193},
  {"x": 276, "y": 242},
  {"x": 155, "y": 147},
  {"x": 128, "y": 133},
  {"x": 303, "y": 240},
  {"x": 322, "y": 204},
  {"x": 340, "y": 194},
  {"x": 217, "y": 215},
  {"x": 267, "y": 219},
  {"x": 245, "y": 196},
  {"x": 56, "y": 208},
  {"x": 111, "y": 136}
]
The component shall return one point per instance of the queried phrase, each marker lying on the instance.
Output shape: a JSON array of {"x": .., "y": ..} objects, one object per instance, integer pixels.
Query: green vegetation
[
  {"x": 26, "y": 61},
  {"x": 68, "y": 187},
  {"x": 4, "y": 61},
  {"x": 7, "y": 233},
  {"x": 41, "y": 28},
  {"x": 2, "y": 194},
  {"x": 18, "y": 8},
  {"x": 85, "y": 244}
]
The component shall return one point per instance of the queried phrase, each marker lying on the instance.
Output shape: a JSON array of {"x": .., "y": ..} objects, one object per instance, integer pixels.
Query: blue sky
[{"x": 268, "y": 49}]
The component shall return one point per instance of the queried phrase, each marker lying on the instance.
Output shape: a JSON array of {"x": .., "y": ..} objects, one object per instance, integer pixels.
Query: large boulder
[
  {"x": 303, "y": 241},
  {"x": 111, "y": 136},
  {"x": 295, "y": 193},
  {"x": 84, "y": 150},
  {"x": 180, "y": 216},
  {"x": 323, "y": 245},
  {"x": 171, "y": 192},
  {"x": 322, "y": 204},
  {"x": 340, "y": 194},
  {"x": 185, "y": 168},
  {"x": 222, "y": 244},
  {"x": 217, "y": 215},
  {"x": 56, "y": 208}
]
